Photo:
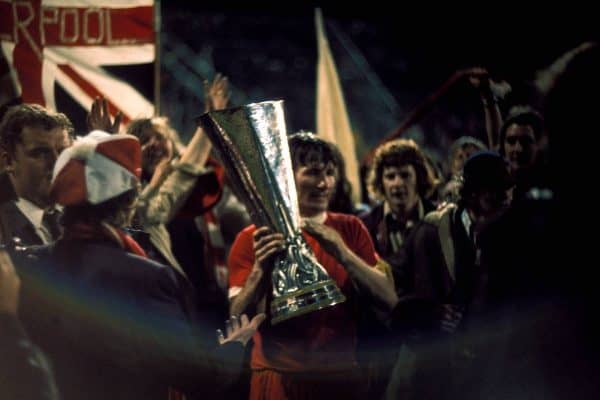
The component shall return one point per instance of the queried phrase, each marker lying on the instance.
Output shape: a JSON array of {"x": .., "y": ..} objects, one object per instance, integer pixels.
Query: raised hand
[
  {"x": 488, "y": 88},
  {"x": 99, "y": 117},
  {"x": 477, "y": 76},
  {"x": 240, "y": 329},
  {"x": 216, "y": 93}
]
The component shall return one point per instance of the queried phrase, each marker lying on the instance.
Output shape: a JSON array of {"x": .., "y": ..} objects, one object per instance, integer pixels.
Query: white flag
[{"x": 333, "y": 123}]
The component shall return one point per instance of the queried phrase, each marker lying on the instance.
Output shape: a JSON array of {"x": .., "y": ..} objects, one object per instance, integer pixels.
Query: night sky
[{"x": 389, "y": 61}]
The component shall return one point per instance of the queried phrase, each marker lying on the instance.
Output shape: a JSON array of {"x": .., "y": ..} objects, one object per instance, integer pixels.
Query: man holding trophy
[{"x": 308, "y": 349}]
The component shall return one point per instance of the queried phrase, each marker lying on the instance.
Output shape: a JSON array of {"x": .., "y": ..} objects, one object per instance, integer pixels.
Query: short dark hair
[
  {"x": 20, "y": 116},
  {"x": 522, "y": 115},
  {"x": 484, "y": 171},
  {"x": 306, "y": 148},
  {"x": 397, "y": 153}
]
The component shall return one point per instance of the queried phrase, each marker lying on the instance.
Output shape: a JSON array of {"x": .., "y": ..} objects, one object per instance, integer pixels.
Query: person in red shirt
[{"x": 310, "y": 356}]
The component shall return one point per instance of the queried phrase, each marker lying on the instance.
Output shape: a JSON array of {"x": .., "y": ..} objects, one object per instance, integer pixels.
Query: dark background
[{"x": 390, "y": 57}]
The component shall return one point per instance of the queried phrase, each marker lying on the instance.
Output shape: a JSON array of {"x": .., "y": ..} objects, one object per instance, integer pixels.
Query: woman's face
[{"x": 156, "y": 148}]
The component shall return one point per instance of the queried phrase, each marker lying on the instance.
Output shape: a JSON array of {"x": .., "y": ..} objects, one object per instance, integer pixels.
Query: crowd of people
[{"x": 129, "y": 269}]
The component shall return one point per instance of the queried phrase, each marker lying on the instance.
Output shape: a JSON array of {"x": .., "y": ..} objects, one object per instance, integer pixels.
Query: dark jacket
[
  {"x": 14, "y": 223},
  {"x": 7, "y": 190},
  {"x": 375, "y": 223},
  {"x": 24, "y": 371},
  {"x": 118, "y": 326},
  {"x": 438, "y": 267}
]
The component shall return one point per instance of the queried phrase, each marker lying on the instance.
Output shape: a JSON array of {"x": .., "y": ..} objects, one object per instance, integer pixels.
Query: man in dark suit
[
  {"x": 115, "y": 324},
  {"x": 31, "y": 138}
]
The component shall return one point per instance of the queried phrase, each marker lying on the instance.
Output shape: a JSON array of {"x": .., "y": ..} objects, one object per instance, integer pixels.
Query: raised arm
[
  {"x": 216, "y": 97},
  {"x": 479, "y": 78},
  {"x": 171, "y": 187}
]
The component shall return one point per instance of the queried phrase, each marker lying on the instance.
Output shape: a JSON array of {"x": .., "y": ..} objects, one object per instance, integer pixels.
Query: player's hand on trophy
[
  {"x": 327, "y": 237},
  {"x": 266, "y": 245}
]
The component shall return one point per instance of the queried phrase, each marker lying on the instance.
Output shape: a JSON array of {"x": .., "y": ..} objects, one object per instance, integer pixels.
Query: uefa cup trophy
[{"x": 252, "y": 143}]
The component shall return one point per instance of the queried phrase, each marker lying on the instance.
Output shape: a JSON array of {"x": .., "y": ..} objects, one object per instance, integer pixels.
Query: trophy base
[{"x": 310, "y": 298}]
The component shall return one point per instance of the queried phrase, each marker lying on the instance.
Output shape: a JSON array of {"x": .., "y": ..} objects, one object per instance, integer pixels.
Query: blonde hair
[{"x": 140, "y": 128}]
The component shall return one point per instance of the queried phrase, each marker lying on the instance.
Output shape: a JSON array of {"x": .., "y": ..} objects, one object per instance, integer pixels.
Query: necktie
[
  {"x": 394, "y": 233},
  {"x": 49, "y": 227},
  {"x": 44, "y": 234}
]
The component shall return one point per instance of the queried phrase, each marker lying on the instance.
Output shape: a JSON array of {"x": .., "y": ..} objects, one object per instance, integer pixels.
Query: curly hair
[
  {"x": 33, "y": 115},
  {"x": 397, "y": 153}
]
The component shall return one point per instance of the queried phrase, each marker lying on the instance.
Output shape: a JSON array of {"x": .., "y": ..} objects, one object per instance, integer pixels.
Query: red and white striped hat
[{"x": 97, "y": 168}]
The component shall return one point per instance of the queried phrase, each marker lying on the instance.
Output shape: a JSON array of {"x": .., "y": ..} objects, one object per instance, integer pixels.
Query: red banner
[{"x": 68, "y": 42}]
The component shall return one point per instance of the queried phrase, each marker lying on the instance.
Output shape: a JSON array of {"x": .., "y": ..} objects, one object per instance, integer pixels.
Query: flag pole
[{"x": 157, "y": 48}]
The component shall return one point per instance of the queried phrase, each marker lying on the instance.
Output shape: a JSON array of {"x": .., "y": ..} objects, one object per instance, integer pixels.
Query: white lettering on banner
[
  {"x": 74, "y": 28},
  {"x": 109, "y": 38},
  {"x": 68, "y": 42},
  {"x": 86, "y": 26},
  {"x": 49, "y": 16},
  {"x": 21, "y": 25},
  {"x": 93, "y": 26}
]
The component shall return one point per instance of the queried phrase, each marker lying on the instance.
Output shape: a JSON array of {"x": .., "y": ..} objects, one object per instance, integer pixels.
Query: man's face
[
  {"x": 33, "y": 160},
  {"x": 400, "y": 188},
  {"x": 491, "y": 204},
  {"x": 460, "y": 156},
  {"x": 315, "y": 184},
  {"x": 520, "y": 146},
  {"x": 156, "y": 148}
]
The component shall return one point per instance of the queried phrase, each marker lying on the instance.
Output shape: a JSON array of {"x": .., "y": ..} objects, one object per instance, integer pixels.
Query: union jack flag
[{"x": 75, "y": 45}]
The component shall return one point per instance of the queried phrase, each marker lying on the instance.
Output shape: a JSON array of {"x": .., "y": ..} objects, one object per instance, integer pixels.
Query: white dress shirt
[{"x": 35, "y": 215}]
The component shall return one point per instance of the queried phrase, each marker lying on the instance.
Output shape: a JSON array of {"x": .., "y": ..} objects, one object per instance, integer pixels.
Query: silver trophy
[{"x": 252, "y": 143}]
